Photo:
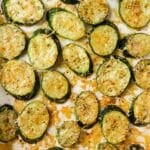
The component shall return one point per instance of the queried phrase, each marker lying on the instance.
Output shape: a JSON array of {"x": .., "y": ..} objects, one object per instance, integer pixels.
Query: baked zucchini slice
[
  {"x": 115, "y": 124},
  {"x": 137, "y": 45},
  {"x": 77, "y": 59},
  {"x": 12, "y": 41},
  {"x": 43, "y": 49},
  {"x": 19, "y": 79},
  {"x": 25, "y": 12},
  {"x": 135, "y": 147},
  {"x": 113, "y": 76},
  {"x": 65, "y": 23},
  {"x": 93, "y": 12},
  {"x": 33, "y": 121},
  {"x": 8, "y": 126},
  {"x": 87, "y": 108},
  {"x": 70, "y": 1},
  {"x": 104, "y": 38},
  {"x": 135, "y": 13},
  {"x": 55, "y": 148},
  {"x": 55, "y": 86},
  {"x": 142, "y": 73},
  {"x": 68, "y": 133},
  {"x": 106, "y": 146},
  {"x": 140, "y": 112}
]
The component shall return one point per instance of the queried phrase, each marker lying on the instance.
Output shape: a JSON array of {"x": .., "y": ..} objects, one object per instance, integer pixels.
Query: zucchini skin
[
  {"x": 19, "y": 23},
  {"x": 9, "y": 107},
  {"x": 70, "y": 1},
  {"x": 104, "y": 146},
  {"x": 54, "y": 37},
  {"x": 55, "y": 148},
  {"x": 135, "y": 147}
]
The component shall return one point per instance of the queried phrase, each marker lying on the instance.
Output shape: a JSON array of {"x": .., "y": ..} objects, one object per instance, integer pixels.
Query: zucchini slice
[
  {"x": 70, "y": 1},
  {"x": 66, "y": 24},
  {"x": 43, "y": 49},
  {"x": 19, "y": 79},
  {"x": 115, "y": 124},
  {"x": 33, "y": 121},
  {"x": 142, "y": 73},
  {"x": 135, "y": 13},
  {"x": 93, "y": 12},
  {"x": 77, "y": 59},
  {"x": 135, "y": 147},
  {"x": 140, "y": 112},
  {"x": 87, "y": 108},
  {"x": 137, "y": 45},
  {"x": 25, "y": 12},
  {"x": 55, "y": 148},
  {"x": 12, "y": 41},
  {"x": 8, "y": 126},
  {"x": 104, "y": 39},
  {"x": 68, "y": 133},
  {"x": 113, "y": 76},
  {"x": 106, "y": 146},
  {"x": 55, "y": 86}
]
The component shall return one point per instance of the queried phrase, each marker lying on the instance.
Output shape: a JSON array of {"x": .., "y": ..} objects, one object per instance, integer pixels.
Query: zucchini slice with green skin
[
  {"x": 66, "y": 24},
  {"x": 115, "y": 124},
  {"x": 135, "y": 13},
  {"x": 77, "y": 59},
  {"x": 93, "y": 12},
  {"x": 55, "y": 86},
  {"x": 68, "y": 133},
  {"x": 106, "y": 146},
  {"x": 142, "y": 73},
  {"x": 87, "y": 108},
  {"x": 19, "y": 79},
  {"x": 43, "y": 49},
  {"x": 140, "y": 112},
  {"x": 55, "y": 148},
  {"x": 104, "y": 38},
  {"x": 26, "y": 12},
  {"x": 33, "y": 121},
  {"x": 113, "y": 76},
  {"x": 8, "y": 126},
  {"x": 12, "y": 41},
  {"x": 70, "y": 1},
  {"x": 135, "y": 147}
]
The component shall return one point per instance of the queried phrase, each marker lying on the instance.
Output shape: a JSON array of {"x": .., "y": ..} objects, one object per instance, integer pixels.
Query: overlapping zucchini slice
[
  {"x": 25, "y": 12},
  {"x": 106, "y": 146},
  {"x": 77, "y": 59},
  {"x": 113, "y": 76},
  {"x": 66, "y": 24},
  {"x": 68, "y": 133},
  {"x": 104, "y": 39},
  {"x": 33, "y": 121},
  {"x": 93, "y": 12},
  {"x": 55, "y": 86},
  {"x": 12, "y": 41},
  {"x": 43, "y": 49},
  {"x": 135, "y": 13},
  {"x": 140, "y": 112},
  {"x": 19, "y": 79},
  {"x": 142, "y": 73},
  {"x": 115, "y": 124},
  {"x": 86, "y": 108},
  {"x": 8, "y": 126}
]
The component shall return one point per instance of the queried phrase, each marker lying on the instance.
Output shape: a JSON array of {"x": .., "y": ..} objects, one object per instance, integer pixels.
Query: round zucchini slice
[
  {"x": 93, "y": 12},
  {"x": 12, "y": 41},
  {"x": 25, "y": 12},
  {"x": 113, "y": 76},
  {"x": 55, "y": 86},
  {"x": 68, "y": 133},
  {"x": 87, "y": 108},
  {"x": 70, "y": 1},
  {"x": 43, "y": 49},
  {"x": 106, "y": 146},
  {"x": 19, "y": 79},
  {"x": 135, "y": 147},
  {"x": 33, "y": 121},
  {"x": 77, "y": 59},
  {"x": 66, "y": 24},
  {"x": 55, "y": 148},
  {"x": 137, "y": 45},
  {"x": 104, "y": 39},
  {"x": 8, "y": 126},
  {"x": 142, "y": 73},
  {"x": 135, "y": 13},
  {"x": 115, "y": 124},
  {"x": 140, "y": 112}
]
